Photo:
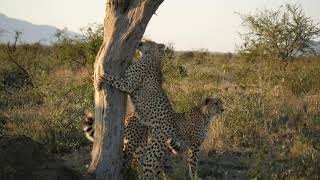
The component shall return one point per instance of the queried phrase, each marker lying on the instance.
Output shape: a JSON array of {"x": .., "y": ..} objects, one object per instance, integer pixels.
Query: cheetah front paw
[{"x": 98, "y": 82}]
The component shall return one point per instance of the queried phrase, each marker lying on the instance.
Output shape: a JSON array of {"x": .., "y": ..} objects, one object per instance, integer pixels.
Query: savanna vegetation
[{"x": 271, "y": 125}]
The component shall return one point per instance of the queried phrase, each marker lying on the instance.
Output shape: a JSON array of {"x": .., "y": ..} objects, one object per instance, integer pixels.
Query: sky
[{"x": 187, "y": 24}]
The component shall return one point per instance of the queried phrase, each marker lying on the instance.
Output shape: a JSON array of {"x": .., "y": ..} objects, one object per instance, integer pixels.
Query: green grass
[{"x": 272, "y": 109}]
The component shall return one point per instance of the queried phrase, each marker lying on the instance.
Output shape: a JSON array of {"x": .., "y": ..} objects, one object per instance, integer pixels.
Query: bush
[{"x": 282, "y": 34}]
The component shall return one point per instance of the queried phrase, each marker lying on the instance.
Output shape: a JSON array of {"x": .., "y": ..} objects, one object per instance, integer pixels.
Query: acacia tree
[
  {"x": 124, "y": 25},
  {"x": 279, "y": 34}
]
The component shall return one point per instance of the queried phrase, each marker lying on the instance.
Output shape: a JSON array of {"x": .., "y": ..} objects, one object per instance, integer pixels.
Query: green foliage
[
  {"x": 131, "y": 173},
  {"x": 302, "y": 79},
  {"x": 82, "y": 50},
  {"x": 282, "y": 33},
  {"x": 52, "y": 109}
]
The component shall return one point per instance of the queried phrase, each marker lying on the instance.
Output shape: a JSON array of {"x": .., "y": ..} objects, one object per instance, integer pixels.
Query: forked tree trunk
[{"x": 124, "y": 25}]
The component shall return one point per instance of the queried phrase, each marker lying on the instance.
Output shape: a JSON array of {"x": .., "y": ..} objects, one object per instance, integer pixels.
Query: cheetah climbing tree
[{"x": 124, "y": 24}]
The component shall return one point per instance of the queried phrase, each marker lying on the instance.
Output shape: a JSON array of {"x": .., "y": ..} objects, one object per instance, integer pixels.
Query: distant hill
[{"x": 31, "y": 33}]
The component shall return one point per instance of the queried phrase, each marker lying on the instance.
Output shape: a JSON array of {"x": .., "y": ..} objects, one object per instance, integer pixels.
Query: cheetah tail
[{"x": 174, "y": 146}]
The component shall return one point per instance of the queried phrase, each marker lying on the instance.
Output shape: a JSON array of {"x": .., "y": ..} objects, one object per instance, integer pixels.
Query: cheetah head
[
  {"x": 151, "y": 49},
  {"x": 212, "y": 107},
  {"x": 88, "y": 121}
]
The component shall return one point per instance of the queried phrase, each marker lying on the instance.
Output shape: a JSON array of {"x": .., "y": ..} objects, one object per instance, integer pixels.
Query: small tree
[
  {"x": 79, "y": 50},
  {"x": 279, "y": 34},
  {"x": 22, "y": 74}
]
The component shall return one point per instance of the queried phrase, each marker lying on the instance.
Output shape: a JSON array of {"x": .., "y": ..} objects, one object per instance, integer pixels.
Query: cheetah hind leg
[
  {"x": 153, "y": 158},
  {"x": 127, "y": 158}
]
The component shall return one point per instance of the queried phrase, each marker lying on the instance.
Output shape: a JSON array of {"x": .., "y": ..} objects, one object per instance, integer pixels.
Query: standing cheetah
[{"x": 143, "y": 82}]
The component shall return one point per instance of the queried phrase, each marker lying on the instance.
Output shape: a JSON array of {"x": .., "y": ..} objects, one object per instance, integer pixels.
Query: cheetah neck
[
  {"x": 198, "y": 110},
  {"x": 152, "y": 60}
]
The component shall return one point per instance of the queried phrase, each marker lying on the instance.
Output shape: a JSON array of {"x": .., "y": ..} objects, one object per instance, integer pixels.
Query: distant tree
[
  {"x": 93, "y": 36},
  {"x": 82, "y": 49},
  {"x": 22, "y": 74},
  {"x": 282, "y": 33},
  {"x": 169, "y": 51}
]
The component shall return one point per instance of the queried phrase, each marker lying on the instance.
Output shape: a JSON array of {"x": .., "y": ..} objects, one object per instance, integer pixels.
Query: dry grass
[{"x": 272, "y": 110}]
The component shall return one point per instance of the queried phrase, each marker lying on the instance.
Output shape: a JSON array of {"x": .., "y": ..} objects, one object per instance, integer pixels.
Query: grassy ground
[{"x": 270, "y": 130}]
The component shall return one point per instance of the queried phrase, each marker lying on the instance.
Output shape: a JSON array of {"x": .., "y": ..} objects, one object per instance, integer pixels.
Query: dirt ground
[
  {"x": 79, "y": 161},
  {"x": 23, "y": 158},
  {"x": 212, "y": 166}
]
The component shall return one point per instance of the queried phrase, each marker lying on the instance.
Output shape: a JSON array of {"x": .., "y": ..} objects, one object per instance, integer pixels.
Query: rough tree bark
[{"x": 124, "y": 25}]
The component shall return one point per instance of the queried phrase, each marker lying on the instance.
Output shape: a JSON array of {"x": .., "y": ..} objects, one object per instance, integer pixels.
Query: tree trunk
[{"x": 124, "y": 25}]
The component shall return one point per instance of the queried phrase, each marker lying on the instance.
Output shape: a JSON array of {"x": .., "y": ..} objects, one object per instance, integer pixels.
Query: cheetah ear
[
  {"x": 162, "y": 46},
  {"x": 90, "y": 117},
  {"x": 208, "y": 100},
  {"x": 204, "y": 109},
  {"x": 89, "y": 114}
]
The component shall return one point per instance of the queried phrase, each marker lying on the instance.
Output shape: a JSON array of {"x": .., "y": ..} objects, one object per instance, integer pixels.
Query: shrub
[{"x": 282, "y": 34}]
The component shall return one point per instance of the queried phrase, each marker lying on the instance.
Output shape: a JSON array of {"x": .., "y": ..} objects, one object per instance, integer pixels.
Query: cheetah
[
  {"x": 135, "y": 137},
  {"x": 192, "y": 126},
  {"x": 143, "y": 82}
]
